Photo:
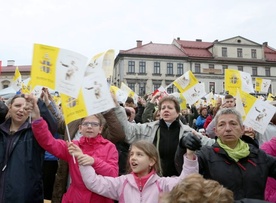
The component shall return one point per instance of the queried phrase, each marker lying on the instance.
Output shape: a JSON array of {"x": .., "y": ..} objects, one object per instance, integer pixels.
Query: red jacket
[
  {"x": 270, "y": 191},
  {"x": 103, "y": 151},
  {"x": 207, "y": 121}
]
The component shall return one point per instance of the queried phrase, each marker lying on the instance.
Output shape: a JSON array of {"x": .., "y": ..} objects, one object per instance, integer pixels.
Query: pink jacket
[
  {"x": 102, "y": 150},
  {"x": 125, "y": 189},
  {"x": 270, "y": 190}
]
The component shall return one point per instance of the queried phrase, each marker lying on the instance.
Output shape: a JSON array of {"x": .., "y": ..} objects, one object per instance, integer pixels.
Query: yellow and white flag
[
  {"x": 259, "y": 115},
  {"x": 58, "y": 69},
  {"x": 210, "y": 98},
  {"x": 26, "y": 86},
  {"x": 17, "y": 80},
  {"x": 194, "y": 93},
  {"x": 237, "y": 79},
  {"x": 185, "y": 82},
  {"x": 129, "y": 92},
  {"x": 94, "y": 96},
  {"x": 248, "y": 101},
  {"x": 239, "y": 104},
  {"x": 121, "y": 96},
  {"x": 270, "y": 97},
  {"x": 105, "y": 60},
  {"x": 262, "y": 85},
  {"x": 181, "y": 100}
]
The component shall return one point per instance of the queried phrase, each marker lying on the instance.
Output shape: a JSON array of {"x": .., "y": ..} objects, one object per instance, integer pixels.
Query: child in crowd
[
  {"x": 103, "y": 154},
  {"x": 195, "y": 189},
  {"x": 143, "y": 184}
]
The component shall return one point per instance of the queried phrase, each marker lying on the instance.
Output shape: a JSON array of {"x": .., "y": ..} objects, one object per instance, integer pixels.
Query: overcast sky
[{"x": 90, "y": 27}]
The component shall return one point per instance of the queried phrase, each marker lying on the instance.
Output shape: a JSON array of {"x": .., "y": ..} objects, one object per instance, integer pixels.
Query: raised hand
[
  {"x": 190, "y": 141},
  {"x": 32, "y": 107},
  {"x": 83, "y": 159}
]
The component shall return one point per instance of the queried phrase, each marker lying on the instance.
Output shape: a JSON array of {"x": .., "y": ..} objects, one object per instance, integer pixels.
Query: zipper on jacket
[{"x": 4, "y": 167}]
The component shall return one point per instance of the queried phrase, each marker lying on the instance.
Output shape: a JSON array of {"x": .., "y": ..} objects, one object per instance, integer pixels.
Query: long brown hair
[{"x": 150, "y": 150}]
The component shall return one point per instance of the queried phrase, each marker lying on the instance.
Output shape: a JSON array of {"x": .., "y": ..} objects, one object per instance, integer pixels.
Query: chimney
[
  {"x": 265, "y": 44},
  {"x": 178, "y": 38},
  {"x": 10, "y": 62},
  {"x": 198, "y": 40},
  {"x": 139, "y": 43}
]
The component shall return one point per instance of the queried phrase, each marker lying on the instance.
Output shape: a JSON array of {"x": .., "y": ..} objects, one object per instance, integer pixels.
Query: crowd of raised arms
[{"x": 151, "y": 151}]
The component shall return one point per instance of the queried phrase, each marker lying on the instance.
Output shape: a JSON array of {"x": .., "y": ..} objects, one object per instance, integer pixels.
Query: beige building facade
[{"x": 145, "y": 68}]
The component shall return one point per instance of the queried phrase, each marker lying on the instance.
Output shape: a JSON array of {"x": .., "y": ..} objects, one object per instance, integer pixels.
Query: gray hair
[{"x": 226, "y": 111}]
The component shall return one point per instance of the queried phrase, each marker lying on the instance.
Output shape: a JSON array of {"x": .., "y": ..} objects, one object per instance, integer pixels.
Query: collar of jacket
[
  {"x": 6, "y": 125},
  {"x": 175, "y": 123}
]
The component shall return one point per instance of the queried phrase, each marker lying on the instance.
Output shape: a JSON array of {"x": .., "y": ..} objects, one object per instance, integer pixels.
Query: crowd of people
[{"x": 152, "y": 151}]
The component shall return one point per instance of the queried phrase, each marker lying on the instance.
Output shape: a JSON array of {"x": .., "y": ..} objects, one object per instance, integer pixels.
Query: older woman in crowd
[{"x": 232, "y": 161}]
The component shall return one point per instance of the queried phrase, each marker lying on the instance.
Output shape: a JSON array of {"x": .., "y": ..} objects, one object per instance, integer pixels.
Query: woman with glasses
[{"x": 104, "y": 155}]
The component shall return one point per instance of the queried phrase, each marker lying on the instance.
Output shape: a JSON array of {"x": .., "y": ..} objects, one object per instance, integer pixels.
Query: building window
[
  {"x": 240, "y": 68},
  {"x": 170, "y": 89},
  {"x": 156, "y": 86},
  {"x": 169, "y": 68},
  {"x": 224, "y": 51},
  {"x": 212, "y": 87},
  {"x": 267, "y": 71},
  {"x": 5, "y": 84},
  {"x": 223, "y": 68},
  {"x": 131, "y": 67},
  {"x": 197, "y": 68},
  {"x": 180, "y": 69},
  {"x": 254, "y": 71},
  {"x": 131, "y": 85},
  {"x": 142, "y": 67},
  {"x": 211, "y": 68},
  {"x": 254, "y": 53},
  {"x": 142, "y": 89},
  {"x": 239, "y": 52},
  {"x": 156, "y": 68}
]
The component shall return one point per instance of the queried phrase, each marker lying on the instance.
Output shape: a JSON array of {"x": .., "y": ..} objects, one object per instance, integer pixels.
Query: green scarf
[{"x": 240, "y": 151}]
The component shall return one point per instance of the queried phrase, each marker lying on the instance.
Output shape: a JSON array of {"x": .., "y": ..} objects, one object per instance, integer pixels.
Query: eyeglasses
[{"x": 92, "y": 124}]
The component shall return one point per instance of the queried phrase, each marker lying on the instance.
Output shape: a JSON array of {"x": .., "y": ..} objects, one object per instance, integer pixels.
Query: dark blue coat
[{"x": 21, "y": 162}]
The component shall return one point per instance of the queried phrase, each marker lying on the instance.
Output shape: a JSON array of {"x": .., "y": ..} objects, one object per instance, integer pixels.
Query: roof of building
[
  {"x": 195, "y": 48},
  {"x": 270, "y": 53},
  {"x": 155, "y": 49},
  {"x": 11, "y": 69}
]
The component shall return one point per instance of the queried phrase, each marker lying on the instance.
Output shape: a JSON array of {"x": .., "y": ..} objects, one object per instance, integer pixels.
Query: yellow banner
[
  {"x": 185, "y": 82},
  {"x": 73, "y": 108},
  {"x": 232, "y": 81},
  {"x": 43, "y": 66},
  {"x": 17, "y": 80},
  {"x": 270, "y": 97},
  {"x": 247, "y": 100},
  {"x": 258, "y": 84}
]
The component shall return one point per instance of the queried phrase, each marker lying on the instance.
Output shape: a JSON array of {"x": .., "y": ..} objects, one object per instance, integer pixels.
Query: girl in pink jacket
[
  {"x": 143, "y": 184},
  {"x": 103, "y": 154},
  {"x": 270, "y": 190}
]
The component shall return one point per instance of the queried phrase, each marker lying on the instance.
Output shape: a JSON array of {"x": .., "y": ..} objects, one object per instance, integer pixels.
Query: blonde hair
[{"x": 195, "y": 189}]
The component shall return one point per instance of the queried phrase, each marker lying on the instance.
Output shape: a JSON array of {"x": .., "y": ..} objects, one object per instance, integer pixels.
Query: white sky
[{"x": 90, "y": 27}]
